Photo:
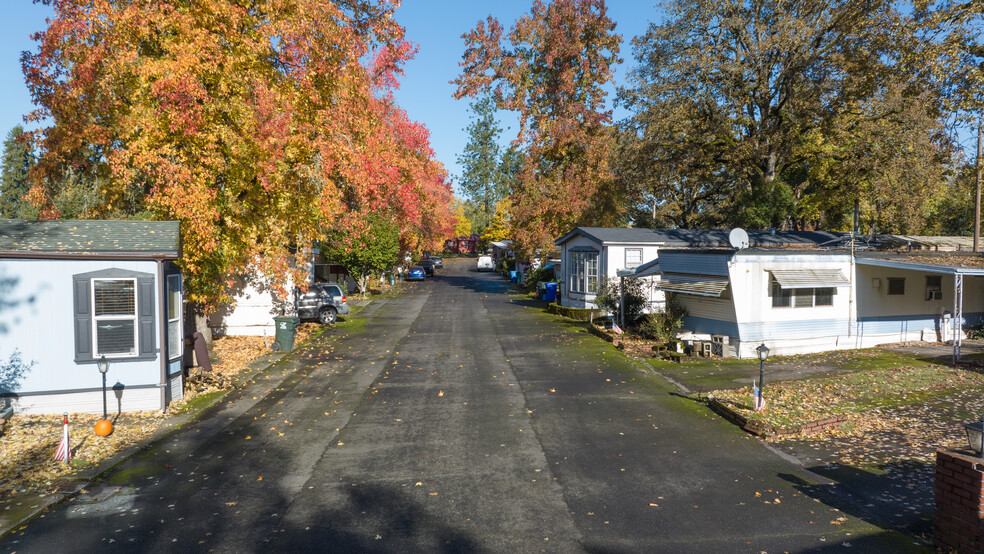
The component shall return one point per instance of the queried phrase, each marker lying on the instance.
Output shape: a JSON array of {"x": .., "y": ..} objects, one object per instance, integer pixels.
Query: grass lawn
[{"x": 871, "y": 387}]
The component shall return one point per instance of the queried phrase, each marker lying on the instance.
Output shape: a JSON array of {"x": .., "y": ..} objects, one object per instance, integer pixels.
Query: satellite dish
[{"x": 738, "y": 238}]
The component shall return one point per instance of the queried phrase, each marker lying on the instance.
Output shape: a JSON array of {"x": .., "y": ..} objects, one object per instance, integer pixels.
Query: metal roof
[
  {"x": 809, "y": 278},
  {"x": 90, "y": 238},
  {"x": 915, "y": 266},
  {"x": 689, "y": 284},
  {"x": 702, "y": 237}
]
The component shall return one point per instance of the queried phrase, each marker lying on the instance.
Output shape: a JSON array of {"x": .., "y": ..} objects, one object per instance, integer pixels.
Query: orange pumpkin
[{"x": 104, "y": 427}]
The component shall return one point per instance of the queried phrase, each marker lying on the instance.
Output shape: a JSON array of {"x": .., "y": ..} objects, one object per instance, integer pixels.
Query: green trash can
[
  {"x": 392, "y": 279},
  {"x": 286, "y": 331}
]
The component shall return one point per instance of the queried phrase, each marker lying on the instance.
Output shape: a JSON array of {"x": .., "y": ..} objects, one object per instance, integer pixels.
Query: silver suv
[{"x": 323, "y": 302}]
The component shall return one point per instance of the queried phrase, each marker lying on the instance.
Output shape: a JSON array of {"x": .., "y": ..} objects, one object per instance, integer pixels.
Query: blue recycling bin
[
  {"x": 550, "y": 294},
  {"x": 512, "y": 276}
]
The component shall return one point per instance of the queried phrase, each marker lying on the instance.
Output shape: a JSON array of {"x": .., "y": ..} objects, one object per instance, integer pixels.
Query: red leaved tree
[{"x": 551, "y": 70}]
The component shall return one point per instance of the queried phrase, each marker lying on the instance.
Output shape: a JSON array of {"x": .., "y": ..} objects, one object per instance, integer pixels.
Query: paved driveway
[{"x": 456, "y": 419}]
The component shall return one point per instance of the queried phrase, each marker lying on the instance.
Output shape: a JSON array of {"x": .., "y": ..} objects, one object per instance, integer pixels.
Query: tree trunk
[{"x": 195, "y": 315}]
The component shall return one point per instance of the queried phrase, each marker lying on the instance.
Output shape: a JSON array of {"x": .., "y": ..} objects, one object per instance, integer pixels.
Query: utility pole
[{"x": 977, "y": 202}]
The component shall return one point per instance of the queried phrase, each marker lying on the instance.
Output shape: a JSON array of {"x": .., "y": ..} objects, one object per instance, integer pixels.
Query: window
[
  {"x": 781, "y": 298},
  {"x": 896, "y": 285},
  {"x": 174, "y": 334},
  {"x": 114, "y": 315},
  {"x": 114, "y": 306},
  {"x": 633, "y": 258},
  {"x": 591, "y": 270},
  {"x": 824, "y": 296},
  {"x": 583, "y": 272},
  {"x": 934, "y": 287},
  {"x": 801, "y": 298}
]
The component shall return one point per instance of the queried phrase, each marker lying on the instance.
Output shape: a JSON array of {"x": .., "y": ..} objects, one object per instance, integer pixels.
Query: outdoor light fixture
[
  {"x": 975, "y": 434},
  {"x": 763, "y": 353},
  {"x": 103, "y": 427}
]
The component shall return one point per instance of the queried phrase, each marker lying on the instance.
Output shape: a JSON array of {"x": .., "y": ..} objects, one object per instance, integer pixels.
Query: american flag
[
  {"x": 616, "y": 329},
  {"x": 759, "y": 400},
  {"x": 64, "y": 451}
]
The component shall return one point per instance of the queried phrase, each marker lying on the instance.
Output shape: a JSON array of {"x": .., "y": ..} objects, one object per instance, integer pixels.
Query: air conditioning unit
[
  {"x": 935, "y": 295},
  {"x": 719, "y": 345}
]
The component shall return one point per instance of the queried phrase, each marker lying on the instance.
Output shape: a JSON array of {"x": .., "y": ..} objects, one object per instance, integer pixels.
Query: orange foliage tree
[
  {"x": 257, "y": 125},
  {"x": 551, "y": 71}
]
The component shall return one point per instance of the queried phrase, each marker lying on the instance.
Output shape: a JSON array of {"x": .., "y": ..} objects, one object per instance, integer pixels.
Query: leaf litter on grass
[
  {"x": 904, "y": 412},
  {"x": 28, "y": 444}
]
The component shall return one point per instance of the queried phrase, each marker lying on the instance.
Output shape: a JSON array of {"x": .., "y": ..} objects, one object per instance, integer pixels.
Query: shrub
[
  {"x": 659, "y": 326},
  {"x": 609, "y": 297}
]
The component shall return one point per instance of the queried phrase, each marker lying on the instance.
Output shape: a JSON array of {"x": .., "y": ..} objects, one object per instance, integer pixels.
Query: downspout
[
  {"x": 851, "y": 310},
  {"x": 162, "y": 333}
]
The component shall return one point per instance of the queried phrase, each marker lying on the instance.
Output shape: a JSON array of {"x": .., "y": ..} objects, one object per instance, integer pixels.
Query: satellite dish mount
[{"x": 738, "y": 238}]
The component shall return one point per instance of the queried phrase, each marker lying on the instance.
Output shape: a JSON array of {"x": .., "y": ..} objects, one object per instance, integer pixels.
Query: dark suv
[{"x": 323, "y": 302}]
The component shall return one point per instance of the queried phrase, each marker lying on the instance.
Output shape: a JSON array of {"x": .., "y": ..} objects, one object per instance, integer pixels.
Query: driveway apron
[{"x": 455, "y": 418}]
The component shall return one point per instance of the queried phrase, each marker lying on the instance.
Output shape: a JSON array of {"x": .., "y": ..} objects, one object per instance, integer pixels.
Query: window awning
[
  {"x": 699, "y": 285},
  {"x": 809, "y": 278}
]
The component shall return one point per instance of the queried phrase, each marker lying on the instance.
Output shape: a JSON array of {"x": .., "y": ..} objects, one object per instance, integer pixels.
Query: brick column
[{"x": 958, "y": 523}]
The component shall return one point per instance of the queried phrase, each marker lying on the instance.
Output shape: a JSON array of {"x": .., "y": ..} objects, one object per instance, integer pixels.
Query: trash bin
[
  {"x": 550, "y": 294},
  {"x": 286, "y": 330},
  {"x": 392, "y": 279},
  {"x": 512, "y": 276}
]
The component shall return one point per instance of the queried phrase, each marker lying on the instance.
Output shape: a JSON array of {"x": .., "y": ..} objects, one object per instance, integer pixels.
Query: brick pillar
[{"x": 958, "y": 522}]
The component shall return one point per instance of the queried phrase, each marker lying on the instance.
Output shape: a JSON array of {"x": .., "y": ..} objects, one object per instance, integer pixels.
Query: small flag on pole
[
  {"x": 759, "y": 401},
  {"x": 616, "y": 329},
  {"x": 64, "y": 451}
]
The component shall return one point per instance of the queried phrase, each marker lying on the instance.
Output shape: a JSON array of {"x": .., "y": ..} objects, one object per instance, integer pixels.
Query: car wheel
[{"x": 328, "y": 315}]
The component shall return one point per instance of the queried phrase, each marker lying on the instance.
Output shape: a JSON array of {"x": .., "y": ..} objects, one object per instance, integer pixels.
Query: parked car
[
  {"x": 485, "y": 263},
  {"x": 428, "y": 266},
  {"x": 323, "y": 302},
  {"x": 416, "y": 273},
  {"x": 438, "y": 262}
]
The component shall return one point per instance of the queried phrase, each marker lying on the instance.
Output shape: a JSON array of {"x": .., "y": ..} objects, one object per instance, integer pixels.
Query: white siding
[{"x": 38, "y": 323}]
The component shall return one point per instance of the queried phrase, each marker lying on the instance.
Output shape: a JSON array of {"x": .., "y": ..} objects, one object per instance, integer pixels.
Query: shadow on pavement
[{"x": 885, "y": 498}]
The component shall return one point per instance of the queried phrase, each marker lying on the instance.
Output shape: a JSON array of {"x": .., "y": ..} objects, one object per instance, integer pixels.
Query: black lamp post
[
  {"x": 103, "y": 366},
  {"x": 104, "y": 426},
  {"x": 763, "y": 353}
]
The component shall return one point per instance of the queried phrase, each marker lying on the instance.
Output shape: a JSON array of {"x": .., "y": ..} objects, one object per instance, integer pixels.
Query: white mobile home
[
  {"x": 75, "y": 292},
  {"x": 801, "y": 301}
]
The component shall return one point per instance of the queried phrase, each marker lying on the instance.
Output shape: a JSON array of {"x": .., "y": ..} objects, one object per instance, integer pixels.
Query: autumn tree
[
  {"x": 551, "y": 69},
  {"x": 254, "y": 124},
  {"x": 726, "y": 92},
  {"x": 18, "y": 157}
]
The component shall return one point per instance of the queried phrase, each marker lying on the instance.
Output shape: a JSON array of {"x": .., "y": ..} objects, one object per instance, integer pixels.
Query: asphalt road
[{"x": 455, "y": 418}]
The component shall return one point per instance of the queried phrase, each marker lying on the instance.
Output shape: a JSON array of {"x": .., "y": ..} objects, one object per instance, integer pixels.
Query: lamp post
[
  {"x": 763, "y": 354},
  {"x": 103, "y": 427},
  {"x": 975, "y": 436}
]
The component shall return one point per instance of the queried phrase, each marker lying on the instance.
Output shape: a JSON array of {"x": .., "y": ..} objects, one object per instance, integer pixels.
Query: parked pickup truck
[{"x": 322, "y": 302}]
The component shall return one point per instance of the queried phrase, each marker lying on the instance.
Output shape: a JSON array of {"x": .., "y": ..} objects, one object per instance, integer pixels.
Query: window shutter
[
  {"x": 83, "y": 318},
  {"x": 145, "y": 317}
]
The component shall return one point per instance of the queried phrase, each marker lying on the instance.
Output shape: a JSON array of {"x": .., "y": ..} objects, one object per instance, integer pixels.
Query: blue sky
[{"x": 435, "y": 25}]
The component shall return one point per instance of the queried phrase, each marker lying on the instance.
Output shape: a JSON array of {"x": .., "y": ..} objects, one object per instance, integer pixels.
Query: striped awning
[
  {"x": 689, "y": 284},
  {"x": 809, "y": 278}
]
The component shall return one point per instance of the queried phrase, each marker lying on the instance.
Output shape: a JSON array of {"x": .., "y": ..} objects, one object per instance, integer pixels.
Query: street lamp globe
[
  {"x": 103, "y": 365},
  {"x": 763, "y": 352}
]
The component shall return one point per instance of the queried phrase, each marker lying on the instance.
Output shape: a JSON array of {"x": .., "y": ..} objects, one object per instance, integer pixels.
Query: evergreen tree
[
  {"x": 482, "y": 180},
  {"x": 18, "y": 157}
]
